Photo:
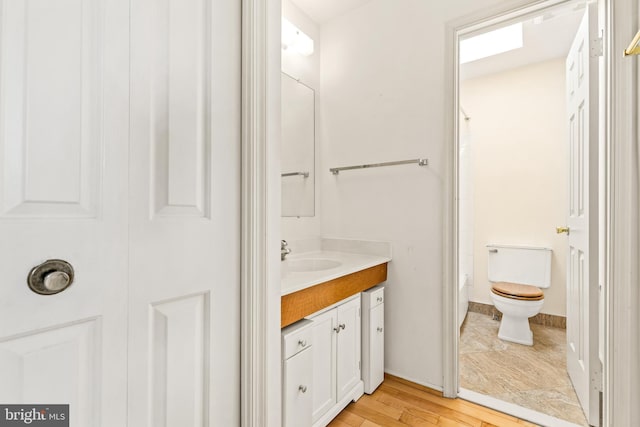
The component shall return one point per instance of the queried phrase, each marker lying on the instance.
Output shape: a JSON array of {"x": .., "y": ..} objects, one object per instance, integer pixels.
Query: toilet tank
[{"x": 526, "y": 265}]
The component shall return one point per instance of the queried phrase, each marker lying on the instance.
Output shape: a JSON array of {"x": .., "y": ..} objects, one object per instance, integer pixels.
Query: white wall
[
  {"x": 307, "y": 69},
  {"x": 382, "y": 85},
  {"x": 520, "y": 158}
]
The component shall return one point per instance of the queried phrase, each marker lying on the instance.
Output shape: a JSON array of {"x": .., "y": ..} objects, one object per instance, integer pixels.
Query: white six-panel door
[
  {"x": 64, "y": 82},
  {"x": 582, "y": 275},
  {"x": 184, "y": 342},
  {"x": 130, "y": 172}
]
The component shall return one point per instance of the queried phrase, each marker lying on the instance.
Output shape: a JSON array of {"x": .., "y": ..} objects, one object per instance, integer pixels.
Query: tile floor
[{"x": 534, "y": 377}]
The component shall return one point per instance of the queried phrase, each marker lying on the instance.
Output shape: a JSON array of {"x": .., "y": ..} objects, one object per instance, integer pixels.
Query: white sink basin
[{"x": 311, "y": 264}]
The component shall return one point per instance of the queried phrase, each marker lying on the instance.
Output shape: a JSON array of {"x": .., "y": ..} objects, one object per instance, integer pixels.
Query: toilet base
[{"x": 515, "y": 329}]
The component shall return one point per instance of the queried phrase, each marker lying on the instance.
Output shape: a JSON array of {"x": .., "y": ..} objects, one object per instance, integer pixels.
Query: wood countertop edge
[{"x": 298, "y": 305}]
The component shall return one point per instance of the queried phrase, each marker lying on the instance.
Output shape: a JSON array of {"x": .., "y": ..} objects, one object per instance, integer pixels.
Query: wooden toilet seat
[{"x": 517, "y": 291}]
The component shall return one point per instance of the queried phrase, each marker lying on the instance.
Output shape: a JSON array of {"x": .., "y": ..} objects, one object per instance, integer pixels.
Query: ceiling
[
  {"x": 543, "y": 41},
  {"x": 549, "y": 38},
  {"x": 321, "y": 11}
]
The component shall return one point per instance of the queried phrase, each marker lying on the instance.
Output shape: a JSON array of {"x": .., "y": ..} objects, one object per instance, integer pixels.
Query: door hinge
[
  {"x": 596, "y": 380},
  {"x": 596, "y": 48}
]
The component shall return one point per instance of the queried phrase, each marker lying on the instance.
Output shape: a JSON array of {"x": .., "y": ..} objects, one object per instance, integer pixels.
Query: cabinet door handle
[
  {"x": 303, "y": 388},
  {"x": 302, "y": 343},
  {"x": 379, "y": 299},
  {"x": 342, "y": 326},
  {"x": 337, "y": 329},
  {"x": 379, "y": 329}
]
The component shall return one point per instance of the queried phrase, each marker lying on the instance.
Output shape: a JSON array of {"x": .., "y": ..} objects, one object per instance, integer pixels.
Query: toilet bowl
[
  {"x": 517, "y": 274},
  {"x": 517, "y": 303}
]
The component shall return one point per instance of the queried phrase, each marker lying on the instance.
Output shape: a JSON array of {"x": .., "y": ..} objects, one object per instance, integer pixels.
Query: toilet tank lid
[{"x": 496, "y": 246}]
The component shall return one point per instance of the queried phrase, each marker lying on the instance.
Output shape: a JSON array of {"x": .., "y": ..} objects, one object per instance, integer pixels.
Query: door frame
[
  {"x": 260, "y": 366},
  {"x": 619, "y": 97}
]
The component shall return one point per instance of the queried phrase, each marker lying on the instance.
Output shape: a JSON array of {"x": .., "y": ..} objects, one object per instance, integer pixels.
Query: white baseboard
[{"x": 413, "y": 380}]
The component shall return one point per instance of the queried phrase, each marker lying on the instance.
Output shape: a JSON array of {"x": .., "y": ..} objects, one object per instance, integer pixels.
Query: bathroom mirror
[{"x": 298, "y": 148}]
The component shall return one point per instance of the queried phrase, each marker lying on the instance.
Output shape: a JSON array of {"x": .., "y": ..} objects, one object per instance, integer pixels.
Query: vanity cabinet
[
  {"x": 297, "y": 381},
  {"x": 373, "y": 338},
  {"x": 336, "y": 359}
]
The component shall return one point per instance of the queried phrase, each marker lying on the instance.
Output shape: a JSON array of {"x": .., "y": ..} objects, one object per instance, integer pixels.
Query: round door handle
[
  {"x": 379, "y": 299},
  {"x": 302, "y": 343},
  {"x": 50, "y": 277},
  {"x": 303, "y": 388},
  {"x": 379, "y": 329},
  {"x": 342, "y": 326},
  {"x": 56, "y": 281}
]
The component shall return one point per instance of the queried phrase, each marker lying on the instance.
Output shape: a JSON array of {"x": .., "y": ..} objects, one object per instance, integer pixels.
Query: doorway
[{"x": 522, "y": 170}]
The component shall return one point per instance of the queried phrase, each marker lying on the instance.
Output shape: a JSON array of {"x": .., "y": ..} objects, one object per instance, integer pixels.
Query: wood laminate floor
[
  {"x": 398, "y": 402},
  {"x": 534, "y": 377}
]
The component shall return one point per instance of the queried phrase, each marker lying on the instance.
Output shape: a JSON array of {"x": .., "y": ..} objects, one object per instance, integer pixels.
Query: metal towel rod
[
  {"x": 420, "y": 162},
  {"x": 305, "y": 174}
]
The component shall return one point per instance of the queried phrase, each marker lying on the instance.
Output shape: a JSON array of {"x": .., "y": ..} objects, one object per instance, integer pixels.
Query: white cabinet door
[
  {"x": 64, "y": 108},
  {"x": 298, "y": 389},
  {"x": 376, "y": 348},
  {"x": 184, "y": 293},
  {"x": 324, "y": 366},
  {"x": 348, "y": 346}
]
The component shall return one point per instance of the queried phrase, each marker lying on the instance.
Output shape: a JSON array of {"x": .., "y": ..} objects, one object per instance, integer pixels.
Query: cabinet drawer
[
  {"x": 372, "y": 297},
  {"x": 296, "y": 338}
]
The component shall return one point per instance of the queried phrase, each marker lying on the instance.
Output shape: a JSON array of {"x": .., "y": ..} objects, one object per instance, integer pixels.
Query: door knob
[
  {"x": 50, "y": 277},
  {"x": 561, "y": 230}
]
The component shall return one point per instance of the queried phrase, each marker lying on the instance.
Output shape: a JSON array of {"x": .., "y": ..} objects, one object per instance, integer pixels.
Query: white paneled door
[
  {"x": 120, "y": 154},
  {"x": 184, "y": 341},
  {"x": 64, "y": 77},
  {"x": 583, "y": 364}
]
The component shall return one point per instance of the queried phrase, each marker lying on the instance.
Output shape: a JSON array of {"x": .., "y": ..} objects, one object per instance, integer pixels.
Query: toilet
[{"x": 517, "y": 275}]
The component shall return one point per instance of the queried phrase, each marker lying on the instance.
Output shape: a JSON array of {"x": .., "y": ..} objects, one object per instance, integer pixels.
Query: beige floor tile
[{"x": 531, "y": 376}]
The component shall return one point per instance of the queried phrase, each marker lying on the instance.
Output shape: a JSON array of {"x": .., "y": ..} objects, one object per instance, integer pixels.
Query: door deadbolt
[{"x": 50, "y": 277}]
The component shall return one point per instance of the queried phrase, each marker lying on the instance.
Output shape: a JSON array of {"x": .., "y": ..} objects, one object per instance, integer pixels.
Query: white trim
[
  {"x": 413, "y": 380},
  {"x": 515, "y": 410},
  {"x": 621, "y": 376},
  {"x": 260, "y": 265}
]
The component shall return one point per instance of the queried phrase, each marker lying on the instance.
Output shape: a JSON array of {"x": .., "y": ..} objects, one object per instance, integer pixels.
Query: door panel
[
  {"x": 63, "y": 154},
  {"x": 376, "y": 340},
  {"x": 178, "y": 361},
  {"x": 51, "y": 108},
  {"x": 324, "y": 367},
  {"x": 298, "y": 389},
  {"x": 582, "y": 288},
  {"x": 348, "y": 346},
  {"x": 185, "y": 211}
]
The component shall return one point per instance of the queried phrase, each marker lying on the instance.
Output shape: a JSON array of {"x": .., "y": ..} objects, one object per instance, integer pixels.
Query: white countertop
[{"x": 293, "y": 281}]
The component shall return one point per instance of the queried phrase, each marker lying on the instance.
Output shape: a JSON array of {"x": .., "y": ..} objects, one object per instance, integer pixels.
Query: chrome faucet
[{"x": 284, "y": 250}]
